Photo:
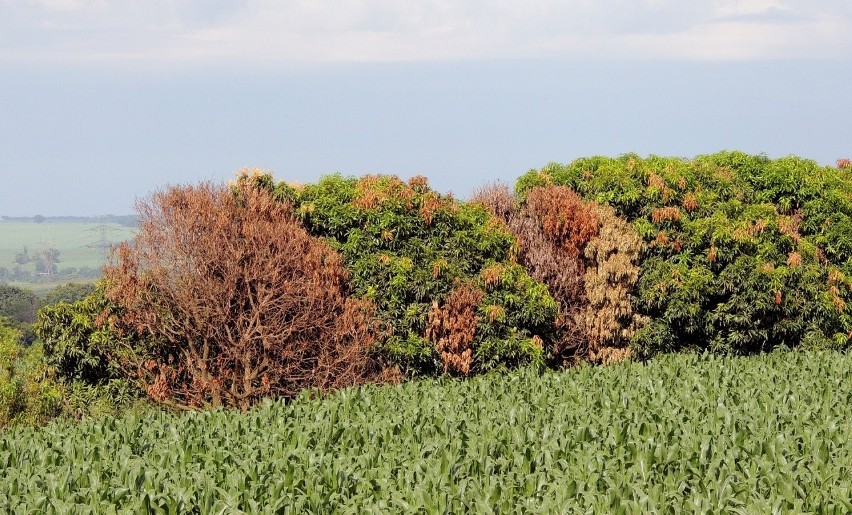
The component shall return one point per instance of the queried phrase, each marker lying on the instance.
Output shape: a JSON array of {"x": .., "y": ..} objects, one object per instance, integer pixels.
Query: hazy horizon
[{"x": 105, "y": 102}]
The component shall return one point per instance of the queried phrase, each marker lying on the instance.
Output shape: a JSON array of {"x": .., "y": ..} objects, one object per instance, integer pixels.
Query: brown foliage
[
  {"x": 657, "y": 182},
  {"x": 491, "y": 275},
  {"x": 610, "y": 355},
  {"x": 375, "y": 190},
  {"x": 452, "y": 327},
  {"x": 550, "y": 247},
  {"x": 587, "y": 257},
  {"x": 794, "y": 259},
  {"x": 662, "y": 214},
  {"x": 690, "y": 202},
  {"x": 433, "y": 203},
  {"x": 565, "y": 219},
  {"x": 419, "y": 183},
  {"x": 608, "y": 318},
  {"x": 498, "y": 200},
  {"x": 556, "y": 225},
  {"x": 790, "y": 225},
  {"x": 242, "y": 301}
]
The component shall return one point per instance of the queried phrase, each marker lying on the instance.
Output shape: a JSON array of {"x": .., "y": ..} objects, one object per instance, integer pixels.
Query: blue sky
[{"x": 104, "y": 101}]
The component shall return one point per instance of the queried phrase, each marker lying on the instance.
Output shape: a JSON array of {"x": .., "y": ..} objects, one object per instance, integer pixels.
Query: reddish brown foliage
[
  {"x": 419, "y": 183},
  {"x": 662, "y": 214},
  {"x": 790, "y": 225},
  {"x": 491, "y": 274},
  {"x": 498, "y": 200},
  {"x": 432, "y": 203},
  {"x": 242, "y": 301},
  {"x": 452, "y": 327},
  {"x": 587, "y": 257},
  {"x": 690, "y": 202},
  {"x": 609, "y": 355},
  {"x": 564, "y": 217},
  {"x": 550, "y": 248},
  {"x": 794, "y": 259},
  {"x": 657, "y": 182},
  {"x": 844, "y": 163}
]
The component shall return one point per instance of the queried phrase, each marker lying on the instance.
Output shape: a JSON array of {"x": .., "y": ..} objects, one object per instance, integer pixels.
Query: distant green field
[{"x": 78, "y": 245}]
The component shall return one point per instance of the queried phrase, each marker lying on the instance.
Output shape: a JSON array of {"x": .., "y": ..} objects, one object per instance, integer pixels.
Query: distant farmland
[{"x": 82, "y": 246}]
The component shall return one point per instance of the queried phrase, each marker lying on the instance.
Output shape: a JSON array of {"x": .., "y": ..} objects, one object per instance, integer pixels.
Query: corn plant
[{"x": 684, "y": 433}]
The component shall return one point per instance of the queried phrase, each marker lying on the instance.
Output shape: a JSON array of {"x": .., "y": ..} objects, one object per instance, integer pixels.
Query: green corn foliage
[{"x": 770, "y": 433}]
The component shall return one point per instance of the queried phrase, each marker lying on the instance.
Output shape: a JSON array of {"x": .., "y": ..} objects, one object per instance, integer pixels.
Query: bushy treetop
[
  {"x": 744, "y": 252},
  {"x": 408, "y": 246}
]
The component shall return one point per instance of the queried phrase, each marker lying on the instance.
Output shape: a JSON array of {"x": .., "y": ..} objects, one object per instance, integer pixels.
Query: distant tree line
[
  {"x": 46, "y": 269},
  {"x": 17, "y": 275},
  {"x": 18, "y": 306},
  {"x": 125, "y": 220}
]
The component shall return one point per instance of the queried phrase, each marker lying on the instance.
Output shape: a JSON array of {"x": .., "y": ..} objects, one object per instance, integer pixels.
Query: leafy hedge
[
  {"x": 744, "y": 253},
  {"x": 730, "y": 252}
]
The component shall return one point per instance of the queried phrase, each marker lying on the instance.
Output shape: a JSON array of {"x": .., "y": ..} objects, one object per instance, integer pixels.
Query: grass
[{"x": 765, "y": 434}]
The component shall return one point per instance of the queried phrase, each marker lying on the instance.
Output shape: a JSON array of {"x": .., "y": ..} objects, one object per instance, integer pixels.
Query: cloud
[{"x": 273, "y": 33}]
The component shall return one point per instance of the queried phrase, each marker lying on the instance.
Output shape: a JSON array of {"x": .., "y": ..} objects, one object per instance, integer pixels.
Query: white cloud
[{"x": 281, "y": 33}]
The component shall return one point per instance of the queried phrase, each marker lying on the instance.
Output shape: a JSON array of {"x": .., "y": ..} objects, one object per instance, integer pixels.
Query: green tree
[
  {"x": 743, "y": 253},
  {"x": 408, "y": 248},
  {"x": 18, "y": 304},
  {"x": 28, "y": 392},
  {"x": 68, "y": 293}
]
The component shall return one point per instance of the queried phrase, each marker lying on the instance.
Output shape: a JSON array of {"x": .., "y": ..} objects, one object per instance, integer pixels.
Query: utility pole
[{"x": 104, "y": 243}]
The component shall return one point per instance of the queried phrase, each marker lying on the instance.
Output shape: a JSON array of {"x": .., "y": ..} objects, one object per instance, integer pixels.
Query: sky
[{"x": 105, "y": 101}]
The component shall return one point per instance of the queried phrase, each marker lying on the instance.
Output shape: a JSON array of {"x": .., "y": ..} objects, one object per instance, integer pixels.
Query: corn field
[{"x": 683, "y": 433}]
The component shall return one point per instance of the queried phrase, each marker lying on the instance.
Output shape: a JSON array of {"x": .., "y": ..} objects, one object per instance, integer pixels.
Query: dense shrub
[
  {"x": 81, "y": 340},
  {"x": 70, "y": 293},
  {"x": 744, "y": 253},
  {"x": 235, "y": 300},
  {"x": 28, "y": 392},
  {"x": 407, "y": 247},
  {"x": 18, "y": 304},
  {"x": 452, "y": 327},
  {"x": 587, "y": 257},
  {"x": 84, "y": 347}
]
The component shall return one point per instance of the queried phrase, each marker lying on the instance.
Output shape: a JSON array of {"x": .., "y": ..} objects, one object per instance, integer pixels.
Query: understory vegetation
[{"x": 680, "y": 434}]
